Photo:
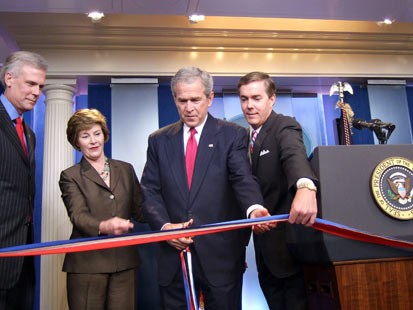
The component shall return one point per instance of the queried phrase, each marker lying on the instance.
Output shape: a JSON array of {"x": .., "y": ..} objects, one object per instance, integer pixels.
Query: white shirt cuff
[
  {"x": 252, "y": 208},
  {"x": 304, "y": 180}
]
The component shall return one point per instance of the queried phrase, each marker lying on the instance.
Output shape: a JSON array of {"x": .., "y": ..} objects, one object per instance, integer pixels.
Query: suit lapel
[
  {"x": 90, "y": 173},
  {"x": 264, "y": 132},
  {"x": 114, "y": 174},
  {"x": 7, "y": 126},
  {"x": 30, "y": 143},
  {"x": 175, "y": 154}
]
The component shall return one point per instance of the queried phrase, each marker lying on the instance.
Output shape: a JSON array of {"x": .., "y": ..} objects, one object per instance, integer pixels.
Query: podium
[{"x": 348, "y": 274}]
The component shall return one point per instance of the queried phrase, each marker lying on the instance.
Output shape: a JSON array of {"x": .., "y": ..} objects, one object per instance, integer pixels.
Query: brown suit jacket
[{"x": 89, "y": 201}]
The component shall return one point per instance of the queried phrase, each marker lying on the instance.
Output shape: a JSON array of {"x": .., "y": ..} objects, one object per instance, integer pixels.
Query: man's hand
[
  {"x": 261, "y": 228},
  {"x": 304, "y": 207},
  {"x": 179, "y": 243}
]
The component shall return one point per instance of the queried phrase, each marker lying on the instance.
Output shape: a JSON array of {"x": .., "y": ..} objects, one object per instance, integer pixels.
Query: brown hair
[
  {"x": 258, "y": 76},
  {"x": 82, "y": 120}
]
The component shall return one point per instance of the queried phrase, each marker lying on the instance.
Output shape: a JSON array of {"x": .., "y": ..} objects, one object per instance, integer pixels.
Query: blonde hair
[{"x": 82, "y": 120}]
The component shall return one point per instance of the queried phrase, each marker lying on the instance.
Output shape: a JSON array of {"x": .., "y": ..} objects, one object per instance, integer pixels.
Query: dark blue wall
[
  {"x": 168, "y": 113},
  {"x": 409, "y": 94},
  {"x": 100, "y": 97},
  {"x": 359, "y": 103}
]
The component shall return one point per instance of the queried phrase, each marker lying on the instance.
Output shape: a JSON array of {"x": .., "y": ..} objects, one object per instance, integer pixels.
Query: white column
[{"x": 58, "y": 155}]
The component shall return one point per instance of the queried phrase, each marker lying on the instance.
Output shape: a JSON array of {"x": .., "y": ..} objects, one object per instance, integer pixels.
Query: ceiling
[
  {"x": 352, "y": 25},
  {"x": 366, "y": 10}
]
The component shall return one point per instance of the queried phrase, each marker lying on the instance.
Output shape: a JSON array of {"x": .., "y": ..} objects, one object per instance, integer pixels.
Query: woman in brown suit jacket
[{"x": 101, "y": 195}]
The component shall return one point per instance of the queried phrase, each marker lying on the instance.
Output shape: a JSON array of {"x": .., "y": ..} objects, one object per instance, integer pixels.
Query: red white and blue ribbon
[
  {"x": 187, "y": 274},
  {"x": 105, "y": 242}
]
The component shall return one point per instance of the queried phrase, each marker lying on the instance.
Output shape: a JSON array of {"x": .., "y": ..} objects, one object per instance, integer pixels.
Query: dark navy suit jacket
[
  {"x": 17, "y": 188},
  {"x": 222, "y": 190}
]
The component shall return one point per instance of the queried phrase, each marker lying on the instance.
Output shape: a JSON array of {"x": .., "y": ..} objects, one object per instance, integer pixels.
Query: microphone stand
[{"x": 380, "y": 134}]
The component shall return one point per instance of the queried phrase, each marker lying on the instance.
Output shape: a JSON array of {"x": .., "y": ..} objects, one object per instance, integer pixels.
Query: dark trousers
[
  {"x": 21, "y": 296},
  {"x": 283, "y": 293},
  {"x": 227, "y": 297}
]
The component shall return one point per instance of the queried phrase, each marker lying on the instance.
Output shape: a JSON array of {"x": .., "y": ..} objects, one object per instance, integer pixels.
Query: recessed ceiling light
[
  {"x": 95, "y": 16},
  {"x": 386, "y": 21},
  {"x": 196, "y": 18}
]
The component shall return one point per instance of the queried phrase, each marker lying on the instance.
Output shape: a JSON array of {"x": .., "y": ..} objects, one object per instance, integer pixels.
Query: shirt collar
[
  {"x": 257, "y": 130},
  {"x": 11, "y": 110},
  {"x": 198, "y": 128}
]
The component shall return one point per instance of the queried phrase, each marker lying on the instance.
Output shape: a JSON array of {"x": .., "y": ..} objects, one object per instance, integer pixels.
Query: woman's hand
[{"x": 115, "y": 226}]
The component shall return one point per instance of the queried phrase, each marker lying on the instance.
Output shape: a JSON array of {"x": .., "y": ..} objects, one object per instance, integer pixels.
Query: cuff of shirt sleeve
[
  {"x": 306, "y": 182},
  {"x": 163, "y": 226},
  {"x": 252, "y": 208}
]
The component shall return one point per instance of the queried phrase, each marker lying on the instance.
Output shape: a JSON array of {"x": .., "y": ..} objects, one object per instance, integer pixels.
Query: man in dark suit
[
  {"x": 222, "y": 189},
  {"x": 279, "y": 161},
  {"x": 23, "y": 77}
]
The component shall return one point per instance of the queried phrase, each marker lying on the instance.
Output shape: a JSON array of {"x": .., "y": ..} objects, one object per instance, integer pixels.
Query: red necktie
[
  {"x": 190, "y": 156},
  {"x": 20, "y": 133},
  {"x": 253, "y": 137}
]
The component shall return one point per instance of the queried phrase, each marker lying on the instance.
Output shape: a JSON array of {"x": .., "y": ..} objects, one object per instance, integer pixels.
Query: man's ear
[{"x": 8, "y": 77}]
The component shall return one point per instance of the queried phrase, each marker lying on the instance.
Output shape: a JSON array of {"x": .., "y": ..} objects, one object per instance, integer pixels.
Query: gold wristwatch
[{"x": 309, "y": 185}]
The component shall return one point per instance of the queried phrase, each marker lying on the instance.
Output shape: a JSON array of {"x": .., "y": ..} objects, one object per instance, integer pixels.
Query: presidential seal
[{"x": 391, "y": 185}]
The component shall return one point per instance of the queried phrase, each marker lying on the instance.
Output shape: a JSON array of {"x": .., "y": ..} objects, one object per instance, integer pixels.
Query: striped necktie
[{"x": 253, "y": 137}]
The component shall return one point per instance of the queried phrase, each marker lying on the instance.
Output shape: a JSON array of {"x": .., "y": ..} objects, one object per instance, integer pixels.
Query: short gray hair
[
  {"x": 188, "y": 75},
  {"x": 15, "y": 61}
]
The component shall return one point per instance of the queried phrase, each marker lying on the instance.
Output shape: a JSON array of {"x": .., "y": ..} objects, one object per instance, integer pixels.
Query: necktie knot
[{"x": 192, "y": 132}]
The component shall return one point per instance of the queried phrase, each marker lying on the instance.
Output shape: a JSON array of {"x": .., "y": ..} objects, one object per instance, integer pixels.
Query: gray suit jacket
[
  {"x": 17, "y": 188},
  {"x": 89, "y": 201},
  {"x": 279, "y": 159}
]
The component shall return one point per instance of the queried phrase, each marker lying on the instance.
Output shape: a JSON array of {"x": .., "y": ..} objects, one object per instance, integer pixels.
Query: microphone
[
  {"x": 381, "y": 130},
  {"x": 379, "y": 123},
  {"x": 360, "y": 124}
]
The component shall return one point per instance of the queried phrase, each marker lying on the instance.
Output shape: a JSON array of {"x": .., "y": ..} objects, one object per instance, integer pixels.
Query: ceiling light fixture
[
  {"x": 386, "y": 21},
  {"x": 196, "y": 18},
  {"x": 95, "y": 16}
]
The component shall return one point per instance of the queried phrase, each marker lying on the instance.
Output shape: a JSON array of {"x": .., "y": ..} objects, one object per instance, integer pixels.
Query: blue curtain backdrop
[{"x": 361, "y": 108}]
